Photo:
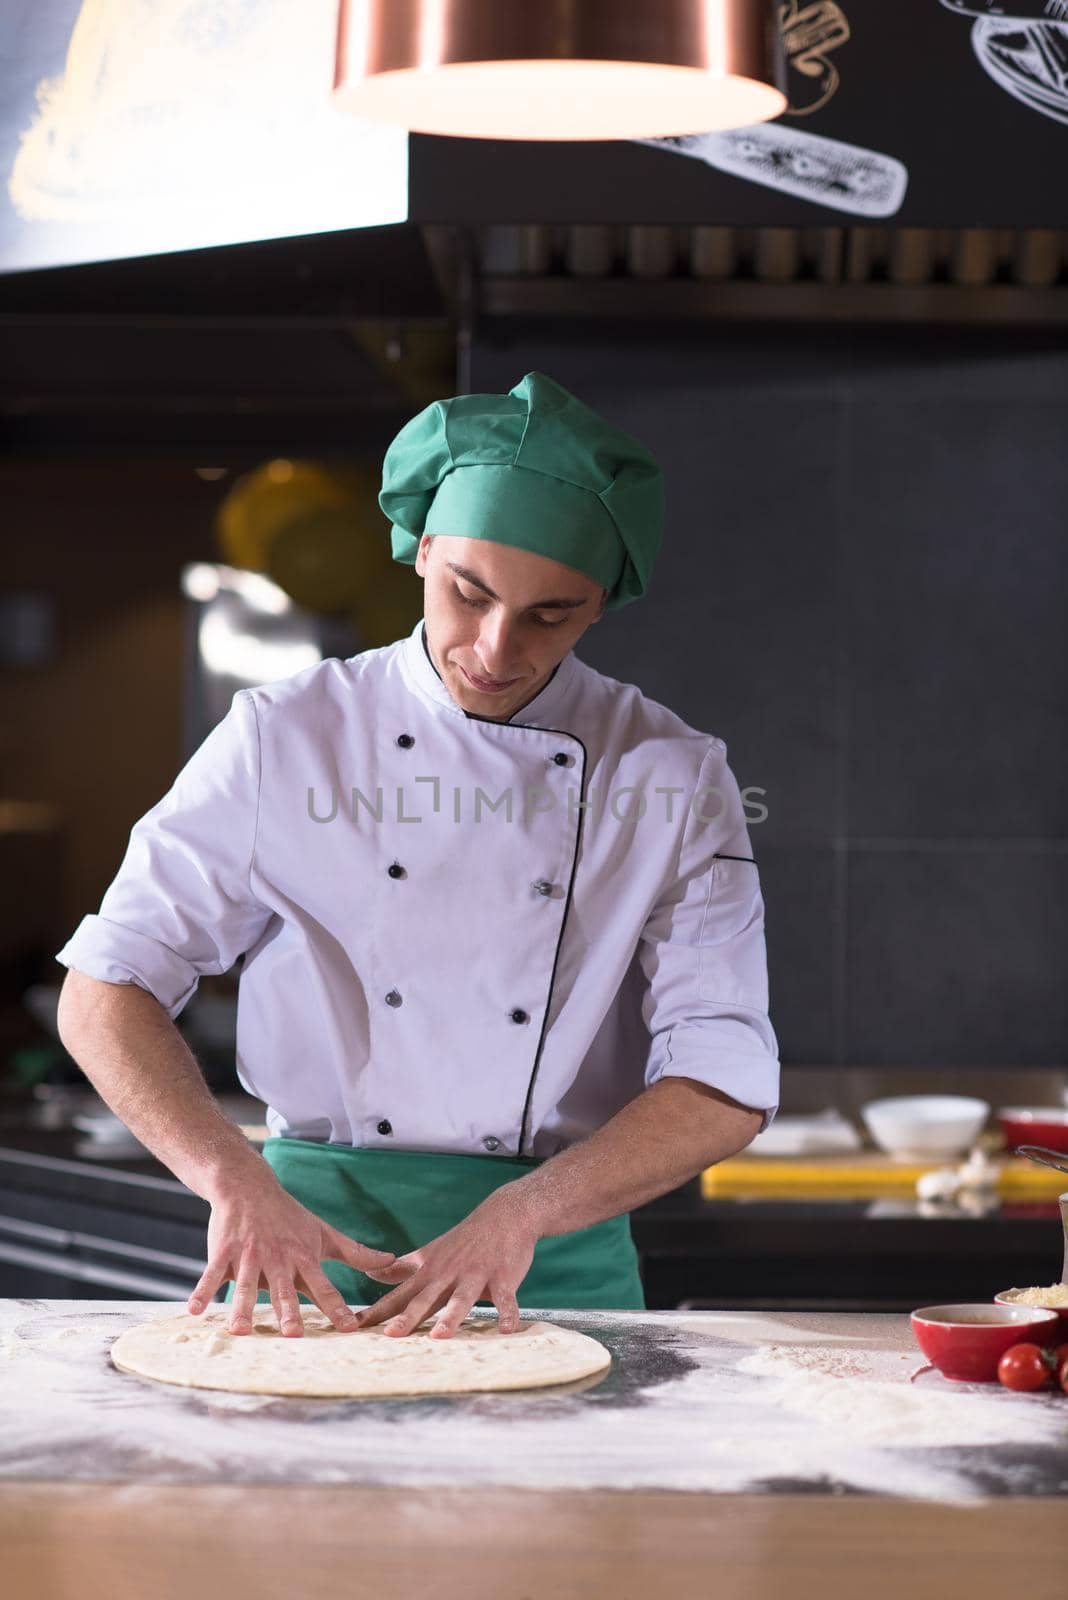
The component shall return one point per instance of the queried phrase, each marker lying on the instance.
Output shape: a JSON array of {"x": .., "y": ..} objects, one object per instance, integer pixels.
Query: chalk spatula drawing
[{"x": 829, "y": 172}]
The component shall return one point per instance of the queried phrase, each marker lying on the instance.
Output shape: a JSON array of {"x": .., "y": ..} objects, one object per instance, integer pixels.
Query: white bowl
[{"x": 918, "y": 1127}]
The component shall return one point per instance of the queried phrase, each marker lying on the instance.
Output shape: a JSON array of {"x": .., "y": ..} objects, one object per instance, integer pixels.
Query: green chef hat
[{"x": 534, "y": 468}]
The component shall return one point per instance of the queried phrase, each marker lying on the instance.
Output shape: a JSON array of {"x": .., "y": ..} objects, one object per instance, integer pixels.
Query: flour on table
[
  {"x": 678, "y": 1410},
  {"x": 782, "y": 1361},
  {"x": 867, "y": 1397},
  {"x": 200, "y": 1353},
  {"x": 12, "y": 1347}
]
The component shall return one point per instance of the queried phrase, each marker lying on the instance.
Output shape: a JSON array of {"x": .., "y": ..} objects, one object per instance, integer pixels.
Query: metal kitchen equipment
[{"x": 1040, "y": 1154}]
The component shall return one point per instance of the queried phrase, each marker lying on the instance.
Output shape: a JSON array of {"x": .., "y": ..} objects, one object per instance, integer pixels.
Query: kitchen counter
[
  {"x": 71, "y": 1225},
  {"x": 755, "y": 1448}
]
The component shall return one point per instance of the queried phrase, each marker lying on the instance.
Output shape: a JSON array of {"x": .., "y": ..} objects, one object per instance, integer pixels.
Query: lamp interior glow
[{"x": 559, "y": 100}]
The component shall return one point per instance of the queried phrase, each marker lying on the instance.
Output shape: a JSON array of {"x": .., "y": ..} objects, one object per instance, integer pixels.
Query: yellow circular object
[{"x": 263, "y": 501}]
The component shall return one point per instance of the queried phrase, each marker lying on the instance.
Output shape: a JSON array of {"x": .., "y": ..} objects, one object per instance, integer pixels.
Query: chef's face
[{"x": 500, "y": 615}]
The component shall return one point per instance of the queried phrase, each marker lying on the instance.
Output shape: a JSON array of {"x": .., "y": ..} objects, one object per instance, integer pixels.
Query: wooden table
[{"x": 125, "y": 1542}]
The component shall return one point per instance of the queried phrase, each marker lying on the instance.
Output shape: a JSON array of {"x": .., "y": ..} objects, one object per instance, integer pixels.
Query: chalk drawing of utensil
[
  {"x": 828, "y": 172},
  {"x": 1022, "y": 45}
]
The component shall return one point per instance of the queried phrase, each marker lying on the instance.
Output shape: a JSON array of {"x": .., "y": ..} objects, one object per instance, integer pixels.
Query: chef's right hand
[{"x": 262, "y": 1238}]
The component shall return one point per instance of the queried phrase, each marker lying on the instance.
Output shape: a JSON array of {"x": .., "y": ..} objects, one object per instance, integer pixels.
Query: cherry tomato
[
  {"x": 1056, "y": 1359},
  {"x": 1023, "y": 1367}
]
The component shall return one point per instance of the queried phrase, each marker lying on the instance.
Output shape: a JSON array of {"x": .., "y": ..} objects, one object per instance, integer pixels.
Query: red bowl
[
  {"x": 966, "y": 1342},
  {"x": 1062, "y": 1311},
  {"x": 1035, "y": 1125}
]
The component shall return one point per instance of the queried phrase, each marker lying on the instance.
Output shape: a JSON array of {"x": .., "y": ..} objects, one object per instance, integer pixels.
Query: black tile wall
[
  {"x": 864, "y": 590},
  {"x": 800, "y": 885},
  {"x": 955, "y": 955},
  {"x": 956, "y": 560}
]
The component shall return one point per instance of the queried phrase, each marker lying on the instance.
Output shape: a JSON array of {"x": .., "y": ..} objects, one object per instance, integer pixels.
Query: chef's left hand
[{"x": 486, "y": 1256}]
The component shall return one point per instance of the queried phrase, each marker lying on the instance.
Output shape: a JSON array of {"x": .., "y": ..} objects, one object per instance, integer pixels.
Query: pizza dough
[{"x": 199, "y": 1353}]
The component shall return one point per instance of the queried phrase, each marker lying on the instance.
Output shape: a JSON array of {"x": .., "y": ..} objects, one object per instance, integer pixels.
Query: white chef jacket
[{"x": 459, "y": 935}]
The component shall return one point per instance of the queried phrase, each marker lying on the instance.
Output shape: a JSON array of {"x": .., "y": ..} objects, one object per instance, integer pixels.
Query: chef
[{"x": 503, "y": 965}]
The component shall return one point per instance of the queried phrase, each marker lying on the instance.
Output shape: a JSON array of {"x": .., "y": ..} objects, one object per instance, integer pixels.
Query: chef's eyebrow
[{"x": 535, "y": 605}]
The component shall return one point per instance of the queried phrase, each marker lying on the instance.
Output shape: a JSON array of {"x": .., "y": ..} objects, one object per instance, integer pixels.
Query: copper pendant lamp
[{"x": 560, "y": 69}]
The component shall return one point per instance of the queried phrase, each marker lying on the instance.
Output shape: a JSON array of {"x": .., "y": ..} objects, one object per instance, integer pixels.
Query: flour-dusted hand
[
  {"x": 486, "y": 1256},
  {"x": 262, "y": 1238}
]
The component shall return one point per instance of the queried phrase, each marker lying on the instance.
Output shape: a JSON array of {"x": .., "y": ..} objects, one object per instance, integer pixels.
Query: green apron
[{"x": 397, "y": 1200}]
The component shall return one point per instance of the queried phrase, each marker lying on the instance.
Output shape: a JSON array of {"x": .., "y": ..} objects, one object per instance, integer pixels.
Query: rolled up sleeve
[
  {"x": 703, "y": 953},
  {"x": 181, "y": 904}
]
